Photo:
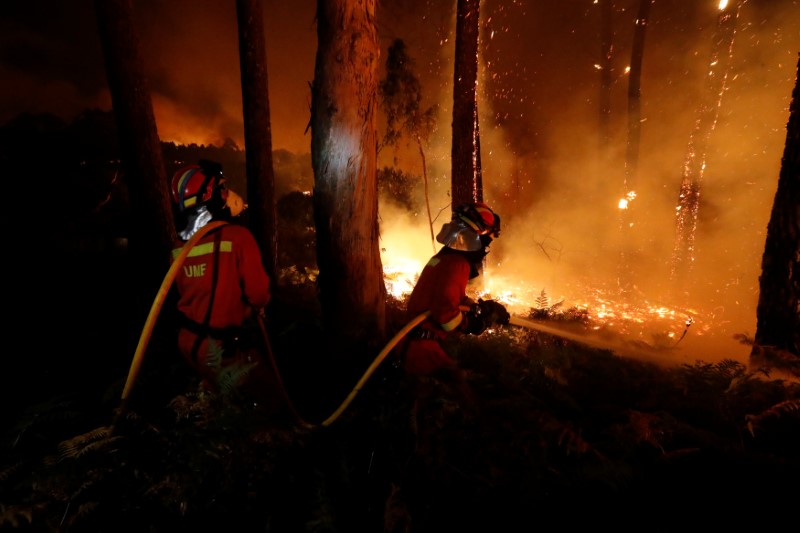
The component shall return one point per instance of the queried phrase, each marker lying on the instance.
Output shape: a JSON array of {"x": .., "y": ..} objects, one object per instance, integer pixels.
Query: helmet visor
[{"x": 458, "y": 236}]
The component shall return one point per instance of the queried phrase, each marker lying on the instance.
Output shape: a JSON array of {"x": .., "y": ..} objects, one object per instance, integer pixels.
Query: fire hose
[
  {"x": 158, "y": 303},
  {"x": 169, "y": 278},
  {"x": 514, "y": 321}
]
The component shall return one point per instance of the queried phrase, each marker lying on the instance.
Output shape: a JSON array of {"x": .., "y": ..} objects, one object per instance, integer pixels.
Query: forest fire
[{"x": 601, "y": 317}]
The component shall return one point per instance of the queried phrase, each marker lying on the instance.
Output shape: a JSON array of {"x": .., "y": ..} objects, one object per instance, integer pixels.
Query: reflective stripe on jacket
[
  {"x": 242, "y": 281},
  {"x": 441, "y": 288}
]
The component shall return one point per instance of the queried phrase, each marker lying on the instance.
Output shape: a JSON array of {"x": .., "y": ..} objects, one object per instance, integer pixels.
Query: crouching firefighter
[
  {"x": 222, "y": 287},
  {"x": 441, "y": 289}
]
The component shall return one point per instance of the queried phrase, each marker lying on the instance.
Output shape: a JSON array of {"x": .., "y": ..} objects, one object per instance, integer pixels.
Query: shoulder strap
[{"x": 214, "y": 280}]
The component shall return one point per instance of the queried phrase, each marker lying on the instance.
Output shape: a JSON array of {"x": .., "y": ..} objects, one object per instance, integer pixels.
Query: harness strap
[
  {"x": 214, "y": 278},
  {"x": 223, "y": 334},
  {"x": 427, "y": 330}
]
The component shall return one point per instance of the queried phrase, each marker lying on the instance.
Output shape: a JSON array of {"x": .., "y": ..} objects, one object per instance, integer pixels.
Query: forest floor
[{"x": 557, "y": 435}]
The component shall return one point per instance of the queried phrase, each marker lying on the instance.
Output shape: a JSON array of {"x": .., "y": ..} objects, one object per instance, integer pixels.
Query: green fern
[
  {"x": 542, "y": 301},
  {"x": 787, "y": 407},
  {"x": 215, "y": 353},
  {"x": 231, "y": 377},
  {"x": 99, "y": 439},
  {"x": 17, "y": 516}
]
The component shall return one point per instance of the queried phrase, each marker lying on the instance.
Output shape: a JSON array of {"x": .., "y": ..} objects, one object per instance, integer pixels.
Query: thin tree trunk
[
  {"x": 465, "y": 174},
  {"x": 262, "y": 215},
  {"x": 606, "y": 50},
  {"x": 688, "y": 207},
  {"x": 778, "y": 310},
  {"x": 152, "y": 232},
  {"x": 626, "y": 281},
  {"x": 425, "y": 186},
  {"x": 634, "y": 96},
  {"x": 344, "y": 157}
]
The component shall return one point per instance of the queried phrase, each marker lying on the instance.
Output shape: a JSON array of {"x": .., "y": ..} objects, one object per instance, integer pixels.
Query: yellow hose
[
  {"x": 172, "y": 273},
  {"x": 378, "y": 360},
  {"x": 516, "y": 321},
  {"x": 158, "y": 303}
]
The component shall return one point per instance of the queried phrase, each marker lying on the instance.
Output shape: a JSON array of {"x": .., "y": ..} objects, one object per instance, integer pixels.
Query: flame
[
  {"x": 651, "y": 324},
  {"x": 400, "y": 275},
  {"x": 723, "y": 4}
]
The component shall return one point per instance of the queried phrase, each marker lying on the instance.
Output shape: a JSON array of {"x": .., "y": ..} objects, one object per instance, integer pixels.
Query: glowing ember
[{"x": 624, "y": 202}]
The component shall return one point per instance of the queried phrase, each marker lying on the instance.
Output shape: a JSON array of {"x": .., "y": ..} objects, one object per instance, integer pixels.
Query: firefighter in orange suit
[
  {"x": 441, "y": 289},
  {"x": 221, "y": 286}
]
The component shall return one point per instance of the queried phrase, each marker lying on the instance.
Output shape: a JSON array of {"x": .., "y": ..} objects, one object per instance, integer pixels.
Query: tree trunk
[
  {"x": 425, "y": 186},
  {"x": 634, "y": 96},
  {"x": 344, "y": 158},
  {"x": 152, "y": 232},
  {"x": 778, "y": 310},
  {"x": 627, "y": 253},
  {"x": 465, "y": 174},
  {"x": 606, "y": 49},
  {"x": 262, "y": 215}
]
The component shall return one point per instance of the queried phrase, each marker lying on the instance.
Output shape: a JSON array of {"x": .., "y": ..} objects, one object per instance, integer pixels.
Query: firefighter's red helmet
[
  {"x": 196, "y": 185},
  {"x": 480, "y": 217}
]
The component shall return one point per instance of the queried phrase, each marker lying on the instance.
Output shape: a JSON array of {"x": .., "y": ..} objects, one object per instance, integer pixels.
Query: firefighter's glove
[
  {"x": 493, "y": 312},
  {"x": 474, "y": 321}
]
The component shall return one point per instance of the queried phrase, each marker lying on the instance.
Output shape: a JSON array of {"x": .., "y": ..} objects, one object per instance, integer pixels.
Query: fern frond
[
  {"x": 46, "y": 415},
  {"x": 7, "y": 472},
  {"x": 542, "y": 301},
  {"x": 215, "y": 352},
  {"x": 776, "y": 411},
  {"x": 232, "y": 376},
  {"x": 16, "y": 516},
  {"x": 96, "y": 439}
]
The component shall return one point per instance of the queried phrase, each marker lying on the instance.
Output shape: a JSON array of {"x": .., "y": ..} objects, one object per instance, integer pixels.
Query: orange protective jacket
[
  {"x": 441, "y": 289},
  {"x": 218, "y": 285}
]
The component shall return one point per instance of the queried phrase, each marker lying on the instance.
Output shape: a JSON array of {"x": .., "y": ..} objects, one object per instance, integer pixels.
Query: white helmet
[
  {"x": 458, "y": 236},
  {"x": 472, "y": 228}
]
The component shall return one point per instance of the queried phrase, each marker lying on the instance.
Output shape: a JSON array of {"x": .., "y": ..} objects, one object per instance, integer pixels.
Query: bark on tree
[
  {"x": 466, "y": 181},
  {"x": 606, "y": 49},
  {"x": 152, "y": 232},
  {"x": 627, "y": 254},
  {"x": 635, "y": 96},
  {"x": 262, "y": 216},
  {"x": 778, "y": 310},
  {"x": 352, "y": 293}
]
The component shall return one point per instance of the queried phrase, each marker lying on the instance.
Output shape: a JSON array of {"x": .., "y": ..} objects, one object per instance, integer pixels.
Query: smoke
[
  {"x": 539, "y": 112},
  {"x": 558, "y": 192}
]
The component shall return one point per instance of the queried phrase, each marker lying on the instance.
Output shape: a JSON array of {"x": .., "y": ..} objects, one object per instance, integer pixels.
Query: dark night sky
[{"x": 538, "y": 91}]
